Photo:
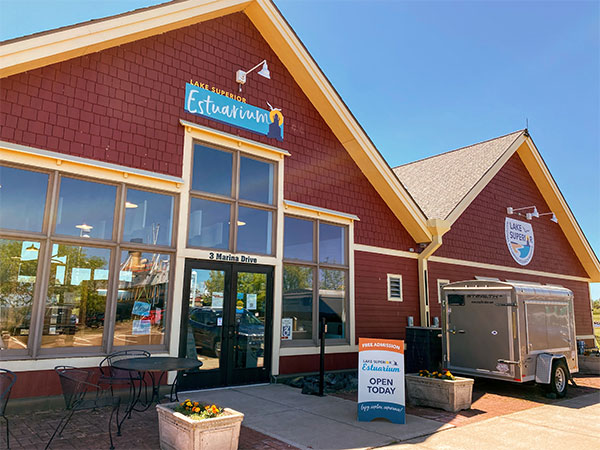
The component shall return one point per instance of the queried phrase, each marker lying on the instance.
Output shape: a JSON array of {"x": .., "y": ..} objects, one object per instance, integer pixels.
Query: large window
[
  {"x": 315, "y": 279},
  {"x": 84, "y": 264},
  {"x": 232, "y": 205}
]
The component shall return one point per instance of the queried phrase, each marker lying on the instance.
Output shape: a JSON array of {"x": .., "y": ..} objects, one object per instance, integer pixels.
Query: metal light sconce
[
  {"x": 531, "y": 214},
  {"x": 553, "y": 218},
  {"x": 240, "y": 75},
  {"x": 528, "y": 215}
]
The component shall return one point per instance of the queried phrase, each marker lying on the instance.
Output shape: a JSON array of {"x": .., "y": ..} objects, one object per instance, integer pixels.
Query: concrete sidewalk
[
  {"x": 310, "y": 422},
  {"x": 573, "y": 423}
]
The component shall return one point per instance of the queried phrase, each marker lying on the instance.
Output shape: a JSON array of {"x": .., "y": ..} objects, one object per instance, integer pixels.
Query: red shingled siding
[
  {"x": 310, "y": 363},
  {"x": 583, "y": 315},
  {"x": 478, "y": 234},
  {"x": 123, "y": 105},
  {"x": 376, "y": 317}
]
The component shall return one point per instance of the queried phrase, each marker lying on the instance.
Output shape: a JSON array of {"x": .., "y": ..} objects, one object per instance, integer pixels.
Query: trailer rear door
[{"x": 479, "y": 332}]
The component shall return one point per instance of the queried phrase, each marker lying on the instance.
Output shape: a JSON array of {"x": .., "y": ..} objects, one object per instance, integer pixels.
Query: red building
[{"x": 154, "y": 197}]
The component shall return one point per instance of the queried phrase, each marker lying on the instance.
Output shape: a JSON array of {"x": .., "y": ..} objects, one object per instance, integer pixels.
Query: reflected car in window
[{"x": 206, "y": 324}]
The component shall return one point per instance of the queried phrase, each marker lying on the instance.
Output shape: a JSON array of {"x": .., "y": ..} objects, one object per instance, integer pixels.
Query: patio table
[{"x": 153, "y": 366}]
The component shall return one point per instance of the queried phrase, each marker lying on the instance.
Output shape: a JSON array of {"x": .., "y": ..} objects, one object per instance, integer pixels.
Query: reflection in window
[
  {"x": 212, "y": 170},
  {"x": 142, "y": 298},
  {"x": 85, "y": 209},
  {"x": 22, "y": 198},
  {"x": 256, "y": 180},
  {"x": 209, "y": 224},
  {"x": 76, "y": 300},
  {"x": 298, "y": 299},
  {"x": 331, "y": 301},
  {"x": 254, "y": 230},
  {"x": 332, "y": 244},
  {"x": 148, "y": 218},
  {"x": 298, "y": 239},
  {"x": 18, "y": 269}
]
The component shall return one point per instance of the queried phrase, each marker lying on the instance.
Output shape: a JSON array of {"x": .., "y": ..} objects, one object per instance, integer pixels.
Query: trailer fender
[{"x": 543, "y": 367}]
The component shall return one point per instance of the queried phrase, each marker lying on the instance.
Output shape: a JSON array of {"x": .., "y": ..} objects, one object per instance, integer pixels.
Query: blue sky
[{"x": 425, "y": 77}]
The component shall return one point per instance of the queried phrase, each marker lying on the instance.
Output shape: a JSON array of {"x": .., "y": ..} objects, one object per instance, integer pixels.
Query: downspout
[{"x": 438, "y": 228}]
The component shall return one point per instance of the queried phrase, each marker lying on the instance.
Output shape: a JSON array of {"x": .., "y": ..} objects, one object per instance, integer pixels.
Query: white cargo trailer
[{"x": 510, "y": 331}]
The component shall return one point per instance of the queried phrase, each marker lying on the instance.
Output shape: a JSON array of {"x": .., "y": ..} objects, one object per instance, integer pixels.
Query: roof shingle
[{"x": 439, "y": 183}]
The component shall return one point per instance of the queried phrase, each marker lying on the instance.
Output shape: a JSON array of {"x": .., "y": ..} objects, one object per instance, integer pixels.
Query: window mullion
[
  {"x": 111, "y": 301},
  {"x": 39, "y": 296}
]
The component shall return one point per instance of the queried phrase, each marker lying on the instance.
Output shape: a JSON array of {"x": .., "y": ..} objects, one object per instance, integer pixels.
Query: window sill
[
  {"x": 315, "y": 350},
  {"x": 21, "y": 363}
]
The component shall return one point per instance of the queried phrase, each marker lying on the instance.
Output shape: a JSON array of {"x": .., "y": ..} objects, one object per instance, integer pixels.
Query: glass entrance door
[{"x": 226, "y": 323}]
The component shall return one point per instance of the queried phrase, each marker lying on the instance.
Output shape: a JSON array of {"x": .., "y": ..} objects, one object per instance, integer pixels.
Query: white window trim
[
  {"x": 440, "y": 283},
  {"x": 389, "y": 291}
]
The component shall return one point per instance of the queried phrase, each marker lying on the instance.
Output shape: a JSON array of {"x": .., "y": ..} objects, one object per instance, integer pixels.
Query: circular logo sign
[{"x": 519, "y": 239}]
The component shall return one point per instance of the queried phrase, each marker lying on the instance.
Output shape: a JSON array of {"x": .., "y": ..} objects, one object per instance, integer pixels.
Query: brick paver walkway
[
  {"x": 89, "y": 430},
  {"x": 492, "y": 398}
]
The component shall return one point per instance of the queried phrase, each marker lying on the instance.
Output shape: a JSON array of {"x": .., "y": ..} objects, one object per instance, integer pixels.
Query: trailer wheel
[{"x": 559, "y": 378}]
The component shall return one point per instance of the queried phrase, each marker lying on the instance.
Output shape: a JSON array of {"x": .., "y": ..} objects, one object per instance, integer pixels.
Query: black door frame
[{"x": 227, "y": 375}]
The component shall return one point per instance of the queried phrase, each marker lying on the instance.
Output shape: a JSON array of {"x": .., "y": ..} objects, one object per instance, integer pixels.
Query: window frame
[
  {"x": 316, "y": 266},
  {"x": 234, "y": 200},
  {"x": 47, "y": 238},
  {"x": 391, "y": 298}
]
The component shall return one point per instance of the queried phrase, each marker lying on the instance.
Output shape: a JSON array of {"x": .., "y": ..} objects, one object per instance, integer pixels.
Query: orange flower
[
  {"x": 195, "y": 403},
  {"x": 207, "y": 407},
  {"x": 196, "y": 409},
  {"x": 215, "y": 410}
]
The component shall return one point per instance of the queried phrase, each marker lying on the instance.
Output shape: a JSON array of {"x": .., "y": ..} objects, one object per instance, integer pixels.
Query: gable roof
[
  {"x": 440, "y": 182},
  {"x": 46, "y": 48},
  {"x": 445, "y": 185}
]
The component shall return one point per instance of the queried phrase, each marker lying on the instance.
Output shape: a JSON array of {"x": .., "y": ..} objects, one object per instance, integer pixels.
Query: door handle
[{"x": 455, "y": 331}]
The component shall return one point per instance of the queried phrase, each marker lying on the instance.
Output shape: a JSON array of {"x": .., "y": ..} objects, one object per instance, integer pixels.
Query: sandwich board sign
[{"x": 381, "y": 380}]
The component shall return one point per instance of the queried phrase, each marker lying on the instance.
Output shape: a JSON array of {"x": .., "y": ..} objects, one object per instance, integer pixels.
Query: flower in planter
[
  {"x": 443, "y": 375},
  {"x": 196, "y": 411}
]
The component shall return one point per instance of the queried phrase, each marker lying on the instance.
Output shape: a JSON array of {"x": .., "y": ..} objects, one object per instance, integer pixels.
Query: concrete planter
[
  {"x": 589, "y": 364},
  {"x": 179, "y": 432},
  {"x": 449, "y": 395}
]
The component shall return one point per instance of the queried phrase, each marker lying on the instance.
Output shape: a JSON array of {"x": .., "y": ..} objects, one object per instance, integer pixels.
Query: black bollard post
[{"x": 322, "y": 331}]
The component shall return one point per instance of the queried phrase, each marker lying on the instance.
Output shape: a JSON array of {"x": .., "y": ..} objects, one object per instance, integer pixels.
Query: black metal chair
[
  {"x": 77, "y": 389},
  {"x": 112, "y": 376},
  {"x": 7, "y": 380}
]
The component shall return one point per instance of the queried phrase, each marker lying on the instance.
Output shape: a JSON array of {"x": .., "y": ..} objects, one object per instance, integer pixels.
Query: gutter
[{"x": 438, "y": 228}]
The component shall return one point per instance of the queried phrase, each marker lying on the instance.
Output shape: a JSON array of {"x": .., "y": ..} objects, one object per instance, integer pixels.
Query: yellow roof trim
[
  {"x": 542, "y": 178},
  {"x": 318, "y": 89},
  {"x": 49, "y": 48},
  {"x": 29, "y": 53},
  {"x": 538, "y": 170}
]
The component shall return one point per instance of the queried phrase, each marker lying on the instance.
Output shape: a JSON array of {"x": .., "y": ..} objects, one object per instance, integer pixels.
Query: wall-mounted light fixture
[
  {"x": 240, "y": 75},
  {"x": 553, "y": 218},
  {"x": 528, "y": 215}
]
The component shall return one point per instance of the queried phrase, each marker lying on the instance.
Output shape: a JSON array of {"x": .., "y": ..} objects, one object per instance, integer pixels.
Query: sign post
[{"x": 381, "y": 380}]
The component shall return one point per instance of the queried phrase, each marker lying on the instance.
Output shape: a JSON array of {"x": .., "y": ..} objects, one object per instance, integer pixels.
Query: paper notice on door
[
  {"x": 217, "y": 299},
  {"x": 251, "y": 302},
  {"x": 286, "y": 328}
]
